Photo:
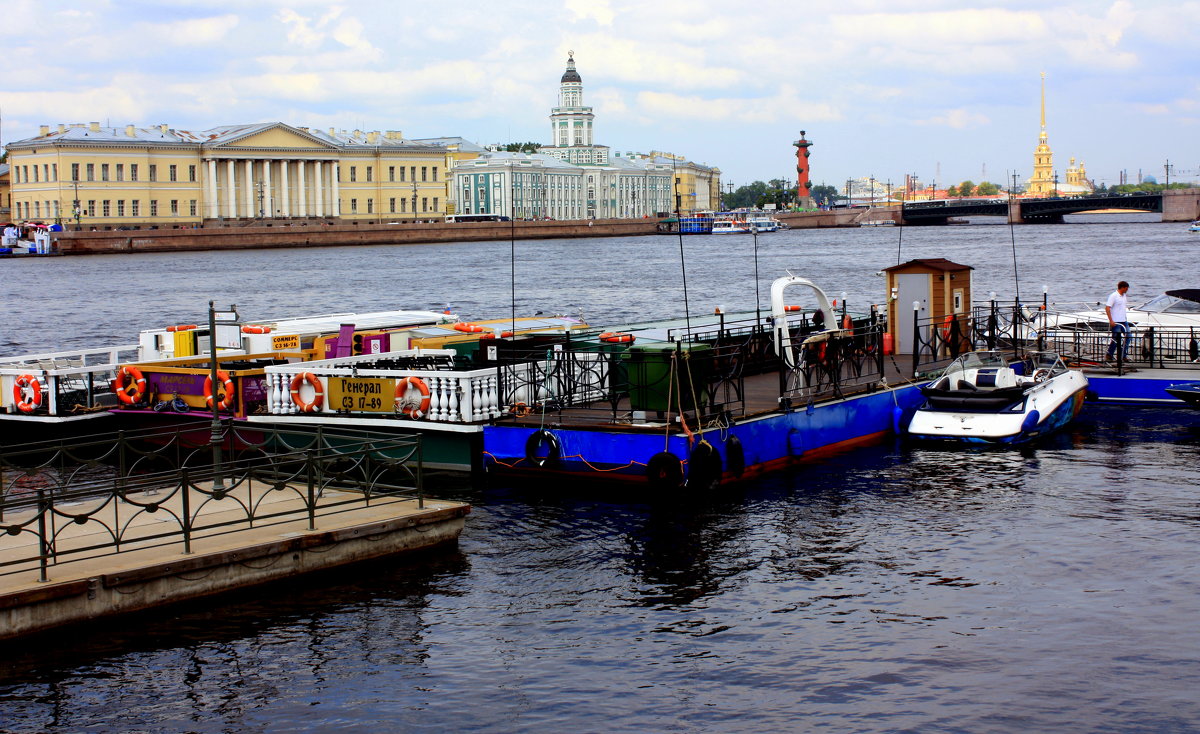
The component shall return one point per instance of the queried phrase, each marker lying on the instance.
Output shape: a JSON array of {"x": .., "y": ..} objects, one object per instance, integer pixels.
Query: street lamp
[
  {"x": 78, "y": 212},
  {"x": 259, "y": 186},
  {"x": 414, "y": 195}
]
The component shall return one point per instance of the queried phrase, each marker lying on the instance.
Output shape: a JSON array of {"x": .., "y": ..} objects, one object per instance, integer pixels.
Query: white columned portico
[
  {"x": 283, "y": 184},
  {"x": 335, "y": 206},
  {"x": 318, "y": 185},
  {"x": 268, "y": 198},
  {"x": 301, "y": 188},
  {"x": 211, "y": 202},
  {"x": 250, "y": 188},
  {"x": 231, "y": 191}
]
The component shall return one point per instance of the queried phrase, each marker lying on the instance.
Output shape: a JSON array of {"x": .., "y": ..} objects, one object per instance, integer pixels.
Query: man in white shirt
[{"x": 1116, "y": 309}]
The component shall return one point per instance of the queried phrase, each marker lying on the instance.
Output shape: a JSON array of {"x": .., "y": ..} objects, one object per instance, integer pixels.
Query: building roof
[
  {"x": 934, "y": 263},
  {"x": 462, "y": 143},
  {"x": 570, "y": 75}
]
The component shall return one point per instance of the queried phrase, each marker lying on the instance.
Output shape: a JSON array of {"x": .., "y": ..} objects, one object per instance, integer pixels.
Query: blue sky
[{"x": 948, "y": 91}]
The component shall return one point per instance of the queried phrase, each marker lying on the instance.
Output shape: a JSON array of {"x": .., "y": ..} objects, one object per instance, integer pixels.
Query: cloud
[
  {"x": 959, "y": 119},
  {"x": 598, "y": 10}
]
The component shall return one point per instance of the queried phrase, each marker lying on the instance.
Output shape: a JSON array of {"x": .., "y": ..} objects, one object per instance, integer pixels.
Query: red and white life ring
[
  {"x": 226, "y": 384},
  {"x": 615, "y": 337},
  {"x": 256, "y": 329},
  {"x": 137, "y": 383},
  {"x": 181, "y": 327},
  {"x": 410, "y": 408},
  {"x": 27, "y": 392},
  {"x": 318, "y": 392}
]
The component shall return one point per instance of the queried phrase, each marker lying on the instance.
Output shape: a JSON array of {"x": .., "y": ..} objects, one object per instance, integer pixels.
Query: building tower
[
  {"x": 1041, "y": 183},
  {"x": 571, "y": 122},
  {"x": 804, "y": 198}
]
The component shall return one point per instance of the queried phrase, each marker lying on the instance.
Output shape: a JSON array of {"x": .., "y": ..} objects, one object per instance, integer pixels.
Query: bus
[{"x": 476, "y": 218}]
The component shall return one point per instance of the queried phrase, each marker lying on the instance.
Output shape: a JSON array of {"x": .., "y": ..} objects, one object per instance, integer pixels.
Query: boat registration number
[
  {"x": 284, "y": 342},
  {"x": 362, "y": 394}
]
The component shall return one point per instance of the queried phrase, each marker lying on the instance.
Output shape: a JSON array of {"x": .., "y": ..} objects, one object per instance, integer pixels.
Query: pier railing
[
  {"x": 65, "y": 503},
  {"x": 833, "y": 364},
  {"x": 65, "y": 383}
]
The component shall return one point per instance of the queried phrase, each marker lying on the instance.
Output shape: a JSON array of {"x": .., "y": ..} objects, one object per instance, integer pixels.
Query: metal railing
[
  {"x": 61, "y": 503},
  {"x": 69, "y": 382},
  {"x": 837, "y": 363}
]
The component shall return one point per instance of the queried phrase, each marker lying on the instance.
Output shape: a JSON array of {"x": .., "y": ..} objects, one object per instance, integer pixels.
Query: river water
[{"x": 891, "y": 588}]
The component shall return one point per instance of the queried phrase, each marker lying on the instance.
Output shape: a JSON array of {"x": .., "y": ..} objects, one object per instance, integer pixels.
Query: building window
[
  {"x": 103, "y": 171},
  {"x": 391, "y": 173},
  {"x": 392, "y": 205},
  {"x": 153, "y": 172},
  {"x": 120, "y": 171},
  {"x": 133, "y": 171},
  {"x": 370, "y": 205},
  {"x": 404, "y": 206},
  {"x": 171, "y": 172},
  {"x": 435, "y": 175},
  {"x": 174, "y": 205},
  {"x": 37, "y": 206},
  {"x": 105, "y": 208},
  {"x": 370, "y": 173},
  {"x": 91, "y": 172},
  {"x": 135, "y": 208},
  {"x": 154, "y": 207},
  {"x": 413, "y": 171},
  {"x": 91, "y": 210},
  {"x": 192, "y": 207},
  {"x": 353, "y": 174},
  {"x": 435, "y": 203},
  {"x": 424, "y": 173},
  {"x": 401, "y": 173},
  {"x": 74, "y": 171},
  {"x": 424, "y": 203},
  {"x": 120, "y": 207},
  {"x": 191, "y": 173},
  {"x": 35, "y": 173},
  {"x": 353, "y": 204}
]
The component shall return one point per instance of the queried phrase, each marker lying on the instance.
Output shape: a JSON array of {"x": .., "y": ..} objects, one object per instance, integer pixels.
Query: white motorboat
[
  {"x": 981, "y": 398},
  {"x": 1174, "y": 309}
]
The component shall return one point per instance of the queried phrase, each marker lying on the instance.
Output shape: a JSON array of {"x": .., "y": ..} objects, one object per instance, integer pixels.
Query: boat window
[
  {"x": 1182, "y": 306},
  {"x": 1158, "y": 303}
]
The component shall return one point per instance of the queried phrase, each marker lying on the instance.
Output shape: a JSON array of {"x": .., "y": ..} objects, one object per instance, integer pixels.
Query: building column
[
  {"x": 318, "y": 185},
  {"x": 268, "y": 199},
  {"x": 211, "y": 203},
  {"x": 283, "y": 184},
  {"x": 250, "y": 207},
  {"x": 335, "y": 206},
  {"x": 231, "y": 192},
  {"x": 301, "y": 189}
]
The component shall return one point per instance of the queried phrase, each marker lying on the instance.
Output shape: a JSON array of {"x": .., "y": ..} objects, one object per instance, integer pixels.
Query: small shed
[{"x": 937, "y": 286}]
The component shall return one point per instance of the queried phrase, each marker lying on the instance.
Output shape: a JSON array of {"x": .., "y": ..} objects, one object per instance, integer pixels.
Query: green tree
[
  {"x": 952, "y": 191},
  {"x": 966, "y": 188},
  {"x": 824, "y": 194},
  {"x": 987, "y": 188},
  {"x": 521, "y": 147}
]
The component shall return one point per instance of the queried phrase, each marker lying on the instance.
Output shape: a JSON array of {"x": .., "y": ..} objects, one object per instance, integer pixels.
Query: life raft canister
[
  {"x": 412, "y": 409},
  {"x": 318, "y": 392},
  {"x": 27, "y": 392}
]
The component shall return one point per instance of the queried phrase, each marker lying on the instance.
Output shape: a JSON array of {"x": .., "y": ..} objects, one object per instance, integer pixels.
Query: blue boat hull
[{"x": 1059, "y": 417}]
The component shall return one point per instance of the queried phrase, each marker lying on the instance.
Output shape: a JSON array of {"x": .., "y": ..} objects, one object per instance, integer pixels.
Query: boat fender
[
  {"x": 898, "y": 423},
  {"x": 735, "y": 456},
  {"x": 318, "y": 392},
  {"x": 542, "y": 448},
  {"x": 29, "y": 401},
  {"x": 1031, "y": 421},
  {"x": 412, "y": 409},
  {"x": 227, "y": 385},
  {"x": 664, "y": 471},
  {"x": 1193, "y": 350},
  {"x": 704, "y": 467},
  {"x": 137, "y": 383}
]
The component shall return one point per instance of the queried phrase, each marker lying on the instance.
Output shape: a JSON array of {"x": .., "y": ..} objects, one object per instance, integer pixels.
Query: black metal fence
[{"x": 62, "y": 502}]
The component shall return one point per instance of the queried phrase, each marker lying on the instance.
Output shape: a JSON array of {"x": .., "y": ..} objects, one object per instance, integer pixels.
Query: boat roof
[{"x": 1187, "y": 294}]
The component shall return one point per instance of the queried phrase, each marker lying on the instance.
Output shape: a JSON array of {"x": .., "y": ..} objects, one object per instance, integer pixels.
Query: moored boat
[{"x": 981, "y": 398}]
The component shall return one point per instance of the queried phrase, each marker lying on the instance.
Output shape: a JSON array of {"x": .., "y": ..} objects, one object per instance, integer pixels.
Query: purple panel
[
  {"x": 377, "y": 344},
  {"x": 254, "y": 388},
  {"x": 345, "y": 343},
  {"x": 168, "y": 383}
]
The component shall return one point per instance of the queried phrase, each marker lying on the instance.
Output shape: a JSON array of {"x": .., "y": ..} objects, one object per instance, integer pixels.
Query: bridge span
[{"x": 1176, "y": 205}]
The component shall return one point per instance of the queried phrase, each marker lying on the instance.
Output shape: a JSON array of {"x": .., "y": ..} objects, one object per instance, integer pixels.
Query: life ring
[
  {"x": 946, "y": 326},
  {"x": 406, "y": 406},
  {"x": 256, "y": 329},
  {"x": 136, "y": 382},
  {"x": 615, "y": 337},
  {"x": 467, "y": 327},
  {"x": 318, "y": 392},
  {"x": 847, "y": 323},
  {"x": 181, "y": 327},
  {"x": 791, "y": 309},
  {"x": 29, "y": 401},
  {"x": 538, "y": 440},
  {"x": 520, "y": 410},
  {"x": 226, "y": 384}
]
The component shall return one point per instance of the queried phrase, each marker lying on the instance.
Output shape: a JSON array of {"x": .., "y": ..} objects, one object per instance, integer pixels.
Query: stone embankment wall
[
  {"x": 1181, "y": 205},
  {"x": 319, "y": 234}
]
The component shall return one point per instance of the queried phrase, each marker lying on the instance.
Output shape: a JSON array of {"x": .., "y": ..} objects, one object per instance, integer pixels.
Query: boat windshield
[
  {"x": 1169, "y": 304},
  {"x": 1044, "y": 361},
  {"x": 975, "y": 361}
]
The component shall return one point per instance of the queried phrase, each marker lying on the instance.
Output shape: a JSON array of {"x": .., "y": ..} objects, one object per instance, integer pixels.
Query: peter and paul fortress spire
[{"x": 1041, "y": 183}]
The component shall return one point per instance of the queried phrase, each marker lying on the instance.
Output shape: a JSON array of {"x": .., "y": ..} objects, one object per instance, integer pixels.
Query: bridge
[{"x": 1045, "y": 211}]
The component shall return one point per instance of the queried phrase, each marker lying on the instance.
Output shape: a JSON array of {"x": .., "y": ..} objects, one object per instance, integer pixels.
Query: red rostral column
[{"x": 804, "y": 198}]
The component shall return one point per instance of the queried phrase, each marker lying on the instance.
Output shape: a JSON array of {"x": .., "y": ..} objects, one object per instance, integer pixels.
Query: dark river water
[{"x": 891, "y": 588}]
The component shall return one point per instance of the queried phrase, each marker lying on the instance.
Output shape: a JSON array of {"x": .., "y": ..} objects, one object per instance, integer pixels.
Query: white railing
[
  {"x": 88, "y": 370},
  {"x": 455, "y": 396}
]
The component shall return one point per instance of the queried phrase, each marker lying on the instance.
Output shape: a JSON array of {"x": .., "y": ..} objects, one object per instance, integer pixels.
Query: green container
[{"x": 651, "y": 384}]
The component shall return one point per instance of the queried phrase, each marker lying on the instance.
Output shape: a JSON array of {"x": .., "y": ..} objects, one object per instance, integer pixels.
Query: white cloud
[
  {"x": 598, "y": 10},
  {"x": 959, "y": 119}
]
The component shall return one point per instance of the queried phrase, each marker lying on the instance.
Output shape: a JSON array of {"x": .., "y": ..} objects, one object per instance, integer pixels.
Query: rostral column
[{"x": 804, "y": 198}]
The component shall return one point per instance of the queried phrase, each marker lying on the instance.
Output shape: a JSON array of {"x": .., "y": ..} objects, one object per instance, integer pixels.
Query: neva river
[{"x": 891, "y": 588}]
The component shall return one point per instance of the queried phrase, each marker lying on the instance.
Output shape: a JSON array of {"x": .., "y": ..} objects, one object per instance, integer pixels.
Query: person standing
[{"x": 1117, "y": 311}]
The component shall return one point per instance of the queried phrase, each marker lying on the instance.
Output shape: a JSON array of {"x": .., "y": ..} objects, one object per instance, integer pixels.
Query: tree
[
  {"x": 824, "y": 194},
  {"x": 987, "y": 188},
  {"x": 966, "y": 188},
  {"x": 521, "y": 147},
  {"x": 952, "y": 191}
]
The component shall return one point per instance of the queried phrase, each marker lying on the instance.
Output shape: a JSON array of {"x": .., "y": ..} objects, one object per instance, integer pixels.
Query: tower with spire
[
  {"x": 1042, "y": 182},
  {"x": 571, "y": 123}
]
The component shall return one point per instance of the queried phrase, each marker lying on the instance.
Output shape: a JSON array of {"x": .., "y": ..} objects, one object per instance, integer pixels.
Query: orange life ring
[
  {"x": 404, "y": 405},
  {"x": 226, "y": 384},
  {"x": 946, "y": 327},
  {"x": 791, "y": 308},
  {"x": 181, "y": 327},
  {"x": 137, "y": 384},
  {"x": 520, "y": 410},
  {"x": 318, "y": 392},
  {"x": 27, "y": 402},
  {"x": 616, "y": 337},
  {"x": 468, "y": 327},
  {"x": 256, "y": 329},
  {"x": 847, "y": 323}
]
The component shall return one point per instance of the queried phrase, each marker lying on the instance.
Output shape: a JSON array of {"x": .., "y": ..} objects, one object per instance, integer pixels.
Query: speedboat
[
  {"x": 1188, "y": 392},
  {"x": 1179, "y": 308},
  {"x": 981, "y": 398},
  {"x": 1195, "y": 226}
]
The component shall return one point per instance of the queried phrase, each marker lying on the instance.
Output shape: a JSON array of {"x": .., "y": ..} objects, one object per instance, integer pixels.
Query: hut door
[{"x": 911, "y": 287}]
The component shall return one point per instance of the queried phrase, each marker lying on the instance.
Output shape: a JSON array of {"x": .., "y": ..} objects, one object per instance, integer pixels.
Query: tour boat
[
  {"x": 1195, "y": 226},
  {"x": 981, "y": 398}
]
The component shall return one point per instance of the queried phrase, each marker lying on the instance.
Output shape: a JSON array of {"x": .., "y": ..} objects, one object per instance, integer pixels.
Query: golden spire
[{"x": 1043, "y": 101}]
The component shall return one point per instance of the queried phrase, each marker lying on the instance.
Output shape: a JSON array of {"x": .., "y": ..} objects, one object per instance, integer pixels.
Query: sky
[{"x": 944, "y": 90}]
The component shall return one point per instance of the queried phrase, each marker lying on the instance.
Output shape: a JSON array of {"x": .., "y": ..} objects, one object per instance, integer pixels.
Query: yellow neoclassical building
[{"x": 103, "y": 178}]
